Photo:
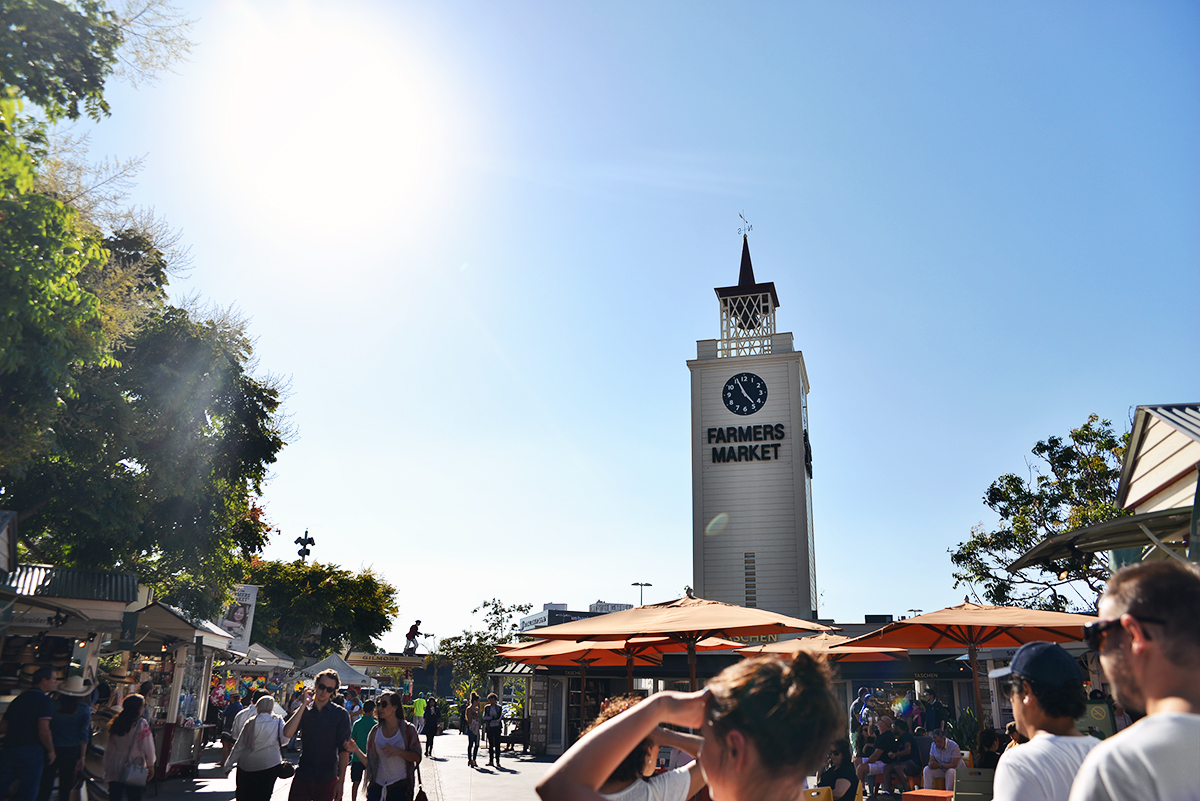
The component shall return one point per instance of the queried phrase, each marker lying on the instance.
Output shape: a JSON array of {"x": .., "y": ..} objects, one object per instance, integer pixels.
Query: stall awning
[
  {"x": 1160, "y": 529},
  {"x": 159, "y": 622}
]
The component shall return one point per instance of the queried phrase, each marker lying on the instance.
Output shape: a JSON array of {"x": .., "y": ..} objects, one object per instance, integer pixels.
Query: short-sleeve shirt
[
  {"x": 322, "y": 731},
  {"x": 914, "y": 754},
  {"x": 670, "y": 786},
  {"x": 419, "y": 707},
  {"x": 830, "y": 776},
  {"x": 885, "y": 742},
  {"x": 23, "y": 715},
  {"x": 1155, "y": 759},
  {"x": 1041, "y": 769},
  {"x": 361, "y": 732}
]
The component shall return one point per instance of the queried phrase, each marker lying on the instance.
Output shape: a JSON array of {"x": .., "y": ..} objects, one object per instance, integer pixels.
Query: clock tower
[{"x": 752, "y": 527}]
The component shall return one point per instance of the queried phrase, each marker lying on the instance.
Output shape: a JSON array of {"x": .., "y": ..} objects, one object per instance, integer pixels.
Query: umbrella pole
[
  {"x": 974, "y": 656},
  {"x": 582, "y": 695},
  {"x": 692, "y": 662},
  {"x": 629, "y": 671}
]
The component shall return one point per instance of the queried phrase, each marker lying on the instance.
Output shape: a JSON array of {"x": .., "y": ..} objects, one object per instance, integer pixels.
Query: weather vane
[{"x": 746, "y": 226}]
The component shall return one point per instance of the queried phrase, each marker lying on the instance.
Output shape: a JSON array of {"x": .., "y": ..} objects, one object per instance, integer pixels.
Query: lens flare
[{"x": 716, "y": 525}]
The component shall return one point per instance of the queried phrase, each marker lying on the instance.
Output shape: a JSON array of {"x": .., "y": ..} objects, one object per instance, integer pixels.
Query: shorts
[
  {"x": 357, "y": 769},
  {"x": 226, "y": 737},
  {"x": 875, "y": 768},
  {"x": 910, "y": 768}
]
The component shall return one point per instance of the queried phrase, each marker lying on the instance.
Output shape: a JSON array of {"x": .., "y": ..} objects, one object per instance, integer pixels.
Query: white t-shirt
[
  {"x": 670, "y": 786},
  {"x": 1155, "y": 759},
  {"x": 1041, "y": 769}
]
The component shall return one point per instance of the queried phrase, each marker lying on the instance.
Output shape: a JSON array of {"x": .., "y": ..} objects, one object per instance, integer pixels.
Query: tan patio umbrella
[
  {"x": 973, "y": 626},
  {"x": 832, "y": 646},
  {"x": 685, "y": 620}
]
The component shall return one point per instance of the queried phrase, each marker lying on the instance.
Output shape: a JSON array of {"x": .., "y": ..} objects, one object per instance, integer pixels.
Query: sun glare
[{"x": 330, "y": 122}]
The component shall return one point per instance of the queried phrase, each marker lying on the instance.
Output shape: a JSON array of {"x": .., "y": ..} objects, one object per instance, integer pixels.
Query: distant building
[
  {"x": 602, "y": 608},
  {"x": 552, "y": 615}
]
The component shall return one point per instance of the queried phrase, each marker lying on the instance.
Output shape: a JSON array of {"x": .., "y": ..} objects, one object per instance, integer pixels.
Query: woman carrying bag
[
  {"x": 393, "y": 751},
  {"x": 257, "y": 754},
  {"x": 129, "y": 755}
]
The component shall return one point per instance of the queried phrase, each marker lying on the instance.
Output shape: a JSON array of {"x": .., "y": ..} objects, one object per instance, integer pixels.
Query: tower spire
[{"x": 746, "y": 274}]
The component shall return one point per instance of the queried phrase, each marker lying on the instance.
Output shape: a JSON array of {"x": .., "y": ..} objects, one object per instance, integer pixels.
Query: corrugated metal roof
[
  {"x": 67, "y": 582},
  {"x": 1183, "y": 416}
]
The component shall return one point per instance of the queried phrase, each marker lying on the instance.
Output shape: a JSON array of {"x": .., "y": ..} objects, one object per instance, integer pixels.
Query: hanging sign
[
  {"x": 129, "y": 627},
  {"x": 239, "y": 617}
]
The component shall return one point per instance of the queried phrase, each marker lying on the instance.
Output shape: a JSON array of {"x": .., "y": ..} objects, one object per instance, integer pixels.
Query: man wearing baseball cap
[{"x": 1045, "y": 687}]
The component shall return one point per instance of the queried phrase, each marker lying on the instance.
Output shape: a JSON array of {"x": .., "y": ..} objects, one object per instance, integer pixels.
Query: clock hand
[{"x": 739, "y": 383}]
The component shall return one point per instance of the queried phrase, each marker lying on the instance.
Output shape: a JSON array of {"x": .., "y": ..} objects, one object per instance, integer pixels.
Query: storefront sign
[
  {"x": 129, "y": 627},
  {"x": 384, "y": 660}
]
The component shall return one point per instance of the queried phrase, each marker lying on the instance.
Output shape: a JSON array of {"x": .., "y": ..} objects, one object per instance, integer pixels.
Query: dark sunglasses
[
  {"x": 326, "y": 688},
  {"x": 1093, "y": 633}
]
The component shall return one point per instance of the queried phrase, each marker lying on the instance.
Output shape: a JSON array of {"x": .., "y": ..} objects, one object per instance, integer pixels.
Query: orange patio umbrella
[
  {"x": 686, "y": 620},
  {"x": 974, "y": 626},
  {"x": 832, "y": 646},
  {"x": 642, "y": 650}
]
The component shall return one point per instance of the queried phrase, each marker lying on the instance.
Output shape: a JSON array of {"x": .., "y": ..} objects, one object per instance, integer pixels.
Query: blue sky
[{"x": 480, "y": 240}]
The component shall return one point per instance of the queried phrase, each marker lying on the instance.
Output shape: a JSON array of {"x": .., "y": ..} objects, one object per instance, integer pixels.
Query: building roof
[
  {"x": 1136, "y": 531},
  {"x": 746, "y": 284},
  {"x": 1183, "y": 417},
  {"x": 67, "y": 582}
]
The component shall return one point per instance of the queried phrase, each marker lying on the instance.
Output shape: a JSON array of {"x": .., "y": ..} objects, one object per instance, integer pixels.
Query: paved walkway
[{"x": 446, "y": 777}]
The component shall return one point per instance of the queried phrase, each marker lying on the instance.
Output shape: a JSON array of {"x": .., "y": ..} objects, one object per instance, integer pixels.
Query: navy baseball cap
[{"x": 1043, "y": 663}]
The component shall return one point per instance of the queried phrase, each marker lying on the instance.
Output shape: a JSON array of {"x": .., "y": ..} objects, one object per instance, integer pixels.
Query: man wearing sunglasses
[
  {"x": 324, "y": 729},
  {"x": 1045, "y": 687},
  {"x": 1148, "y": 638}
]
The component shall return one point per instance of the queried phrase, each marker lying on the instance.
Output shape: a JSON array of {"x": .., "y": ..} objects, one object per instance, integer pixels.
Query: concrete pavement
[{"x": 445, "y": 776}]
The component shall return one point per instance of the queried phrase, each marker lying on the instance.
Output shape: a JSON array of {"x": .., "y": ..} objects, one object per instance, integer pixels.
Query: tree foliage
[
  {"x": 350, "y": 610},
  {"x": 1073, "y": 484},
  {"x": 59, "y": 54},
  {"x": 157, "y": 462},
  {"x": 473, "y": 653}
]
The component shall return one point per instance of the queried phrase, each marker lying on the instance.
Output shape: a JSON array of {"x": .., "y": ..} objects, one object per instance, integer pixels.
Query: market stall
[{"x": 170, "y": 658}]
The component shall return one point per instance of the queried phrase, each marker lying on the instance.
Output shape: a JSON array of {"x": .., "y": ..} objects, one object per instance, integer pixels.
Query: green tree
[
  {"x": 1073, "y": 484},
  {"x": 157, "y": 462},
  {"x": 350, "y": 610},
  {"x": 49, "y": 323},
  {"x": 59, "y": 55},
  {"x": 473, "y": 653}
]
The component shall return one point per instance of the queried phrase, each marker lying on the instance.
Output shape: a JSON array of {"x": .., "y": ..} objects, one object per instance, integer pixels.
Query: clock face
[{"x": 745, "y": 393}]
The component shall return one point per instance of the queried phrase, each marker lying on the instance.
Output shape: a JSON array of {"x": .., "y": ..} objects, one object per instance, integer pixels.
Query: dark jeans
[
  {"x": 472, "y": 745},
  {"x": 63, "y": 769},
  {"x": 430, "y": 733},
  {"x": 24, "y": 765},
  {"x": 397, "y": 791},
  {"x": 118, "y": 791},
  {"x": 255, "y": 785},
  {"x": 493, "y": 733}
]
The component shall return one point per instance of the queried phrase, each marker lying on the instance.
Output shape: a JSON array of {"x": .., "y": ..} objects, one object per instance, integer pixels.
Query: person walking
[
  {"x": 493, "y": 719},
  {"x": 392, "y": 753},
  {"x": 325, "y": 729},
  {"x": 296, "y": 703},
  {"x": 1148, "y": 638},
  {"x": 419, "y": 711},
  {"x": 360, "y": 730},
  {"x": 432, "y": 713},
  {"x": 257, "y": 753},
  {"x": 69, "y": 730},
  {"x": 232, "y": 710},
  {"x": 470, "y": 718},
  {"x": 28, "y": 744},
  {"x": 130, "y": 744}
]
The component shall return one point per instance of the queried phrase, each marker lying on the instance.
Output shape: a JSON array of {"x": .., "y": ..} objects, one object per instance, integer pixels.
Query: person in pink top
[{"x": 130, "y": 742}]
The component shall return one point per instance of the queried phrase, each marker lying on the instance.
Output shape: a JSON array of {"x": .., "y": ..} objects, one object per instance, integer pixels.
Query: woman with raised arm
[{"x": 765, "y": 724}]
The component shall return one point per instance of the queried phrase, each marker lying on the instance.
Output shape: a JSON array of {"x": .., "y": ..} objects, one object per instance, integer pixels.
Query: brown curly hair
[
  {"x": 787, "y": 709},
  {"x": 632, "y": 765}
]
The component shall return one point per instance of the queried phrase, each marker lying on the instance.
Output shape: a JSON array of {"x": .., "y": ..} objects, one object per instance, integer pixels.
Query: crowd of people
[{"x": 757, "y": 731}]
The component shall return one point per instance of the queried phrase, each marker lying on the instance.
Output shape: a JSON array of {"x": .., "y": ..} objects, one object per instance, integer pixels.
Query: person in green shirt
[
  {"x": 419, "y": 712},
  {"x": 360, "y": 731}
]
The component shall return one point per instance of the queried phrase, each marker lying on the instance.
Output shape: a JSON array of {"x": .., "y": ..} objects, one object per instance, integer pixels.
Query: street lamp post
[{"x": 641, "y": 585}]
